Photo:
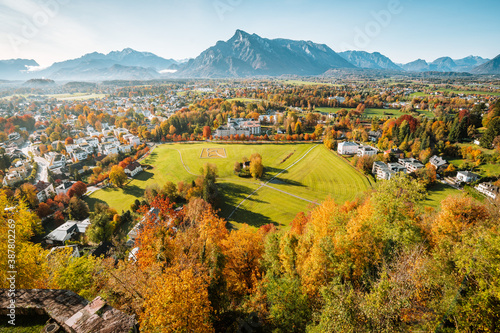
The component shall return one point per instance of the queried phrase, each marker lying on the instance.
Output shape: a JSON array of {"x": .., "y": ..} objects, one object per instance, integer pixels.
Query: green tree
[
  {"x": 209, "y": 187},
  {"x": 101, "y": 228},
  {"x": 78, "y": 208}
]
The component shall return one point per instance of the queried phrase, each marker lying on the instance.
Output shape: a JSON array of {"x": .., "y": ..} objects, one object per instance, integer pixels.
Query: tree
[
  {"x": 298, "y": 128},
  {"x": 177, "y": 301},
  {"x": 117, "y": 176},
  {"x": 209, "y": 187},
  {"x": 492, "y": 132},
  {"x": 256, "y": 167},
  {"x": 207, "y": 132},
  {"x": 27, "y": 192},
  {"x": 28, "y": 258},
  {"x": 78, "y": 208},
  {"x": 43, "y": 210},
  {"x": 101, "y": 228}
]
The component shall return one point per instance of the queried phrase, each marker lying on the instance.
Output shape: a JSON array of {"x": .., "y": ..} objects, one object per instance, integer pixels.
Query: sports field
[{"x": 309, "y": 175}]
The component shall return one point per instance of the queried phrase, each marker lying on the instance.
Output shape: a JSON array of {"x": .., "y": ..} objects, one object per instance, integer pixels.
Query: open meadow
[{"x": 297, "y": 177}]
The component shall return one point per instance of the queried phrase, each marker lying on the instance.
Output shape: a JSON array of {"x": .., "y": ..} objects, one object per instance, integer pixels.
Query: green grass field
[
  {"x": 437, "y": 193},
  {"x": 76, "y": 96},
  {"x": 380, "y": 113},
  {"x": 306, "y": 180}
]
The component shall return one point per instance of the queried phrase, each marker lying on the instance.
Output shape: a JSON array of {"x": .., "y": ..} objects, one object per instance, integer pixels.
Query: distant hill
[
  {"x": 490, "y": 67},
  {"x": 445, "y": 64},
  {"x": 39, "y": 83},
  {"x": 250, "y": 55},
  {"x": 367, "y": 60},
  {"x": 15, "y": 69},
  {"x": 97, "y": 73}
]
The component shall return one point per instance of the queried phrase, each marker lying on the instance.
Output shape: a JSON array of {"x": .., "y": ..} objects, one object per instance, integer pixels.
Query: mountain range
[{"x": 243, "y": 55}]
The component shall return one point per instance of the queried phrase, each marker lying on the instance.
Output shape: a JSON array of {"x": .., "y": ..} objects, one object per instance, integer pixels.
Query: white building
[
  {"x": 239, "y": 127},
  {"x": 366, "y": 151},
  {"x": 488, "y": 189},
  {"x": 43, "y": 190},
  {"x": 132, "y": 139},
  {"x": 466, "y": 176},
  {"x": 411, "y": 164},
  {"x": 347, "y": 148},
  {"x": 133, "y": 168}
]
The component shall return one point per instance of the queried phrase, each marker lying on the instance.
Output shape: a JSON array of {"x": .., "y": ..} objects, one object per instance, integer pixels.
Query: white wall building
[{"x": 347, "y": 148}]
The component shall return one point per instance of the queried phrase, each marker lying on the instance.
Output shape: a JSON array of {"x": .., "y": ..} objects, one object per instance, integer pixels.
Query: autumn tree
[
  {"x": 79, "y": 188},
  {"x": 78, "y": 209},
  {"x": 117, "y": 176},
  {"x": 101, "y": 227},
  {"x": 256, "y": 167}
]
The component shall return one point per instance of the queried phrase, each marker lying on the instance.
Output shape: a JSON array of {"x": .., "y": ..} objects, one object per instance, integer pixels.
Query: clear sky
[{"x": 404, "y": 30}]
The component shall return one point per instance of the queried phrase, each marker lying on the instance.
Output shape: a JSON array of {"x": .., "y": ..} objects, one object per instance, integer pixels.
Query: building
[
  {"x": 64, "y": 187},
  {"x": 68, "y": 312},
  {"x": 411, "y": 164},
  {"x": 79, "y": 155},
  {"x": 381, "y": 170},
  {"x": 132, "y": 139},
  {"x": 43, "y": 190},
  {"x": 366, "y": 151},
  {"x": 133, "y": 169},
  {"x": 239, "y": 126},
  {"x": 466, "y": 176},
  {"x": 347, "y": 148},
  {"x": 438, "y": 162},
  {"x": 488, "y": 189}
]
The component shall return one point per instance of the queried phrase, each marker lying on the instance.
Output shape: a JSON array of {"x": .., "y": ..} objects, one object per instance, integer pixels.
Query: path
[
  {"x": 290, "y": 194},
  {"x": 270, "y": 180}
]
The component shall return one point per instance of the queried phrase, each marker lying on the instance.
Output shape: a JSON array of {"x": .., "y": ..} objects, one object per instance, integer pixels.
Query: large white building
[{"x": 239, "y": 126}]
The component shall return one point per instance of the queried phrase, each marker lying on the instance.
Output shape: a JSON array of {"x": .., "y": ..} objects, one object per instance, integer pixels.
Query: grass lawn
[
  {"x": 76, "y": 96},
  {"x": 315, "y": 177},
  {"x": 437, "y": 193}
]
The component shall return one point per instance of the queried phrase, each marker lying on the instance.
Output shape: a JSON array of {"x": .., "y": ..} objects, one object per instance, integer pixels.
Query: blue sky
[{"x": 404, "y": 30}]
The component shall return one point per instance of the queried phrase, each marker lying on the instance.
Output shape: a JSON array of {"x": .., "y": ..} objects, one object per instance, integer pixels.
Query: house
[
  {"x": 11, "y": 178},
  {"x": 438, "y": 162},
  {"x": 43, "y": 190},
  {"x": 56, "y": 161},
  {"x": 373, "y": 136},
  {"x": 381, "y": 171},
  {"x": 396, "y": 167},
  {"x": 79, "y": 155},
  {"x": 366, "y": 151},
  {"x": 64, "y": 187},
  {"x": 133, "y": 169},
  {"x": 396, "y": 152},
  {"x": 92, "y": 142},
  {"x": 119, "y": 131},
  {"x": 347, "y": 148},
  {"x": 66, "y": 231},
  {"x": 488, "y": 189},
  {"x": 125, "y": 148},
  {"x": 466, "y": 176},
  {"x": 151, "y": 214},
  {"x": 132, "y": 139},
  {"x": 411, "y": 164}
]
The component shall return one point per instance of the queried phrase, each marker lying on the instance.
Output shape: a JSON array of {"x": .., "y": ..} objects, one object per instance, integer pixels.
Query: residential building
[
  {"x": 347, "y": 148},
  {"x": 438, "y": 162},
  {"x": 133, "y": 168},
  {"x": 43, "y": 190},
  {"x": 67, "y": 231},
  {"x": 411, "y": 164},
  {"x": 488, "y": 189},
  {"x": 64, "y": 187},
  {"x": 466, "y": 176},
  {"x": 79, "y": 154},
  {"x": 366, "y": 151},
  {"x": 132, "y": 139}
]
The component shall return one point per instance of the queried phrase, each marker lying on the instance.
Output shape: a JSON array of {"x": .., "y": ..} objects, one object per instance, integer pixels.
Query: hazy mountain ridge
[
  {"x": 367, "y": 60},
  {"x": 243, "y": 55},
  {"x": 251, "y": 55}
]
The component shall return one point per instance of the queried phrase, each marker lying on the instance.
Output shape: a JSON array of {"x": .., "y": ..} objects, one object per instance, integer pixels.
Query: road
[{"x": 43, "y": 164}]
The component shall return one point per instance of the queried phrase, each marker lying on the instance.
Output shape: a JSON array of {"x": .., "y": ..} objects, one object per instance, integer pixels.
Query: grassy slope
[
  {"x": 369, "y": 112},
  {"x": 319, "y": 175}
]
